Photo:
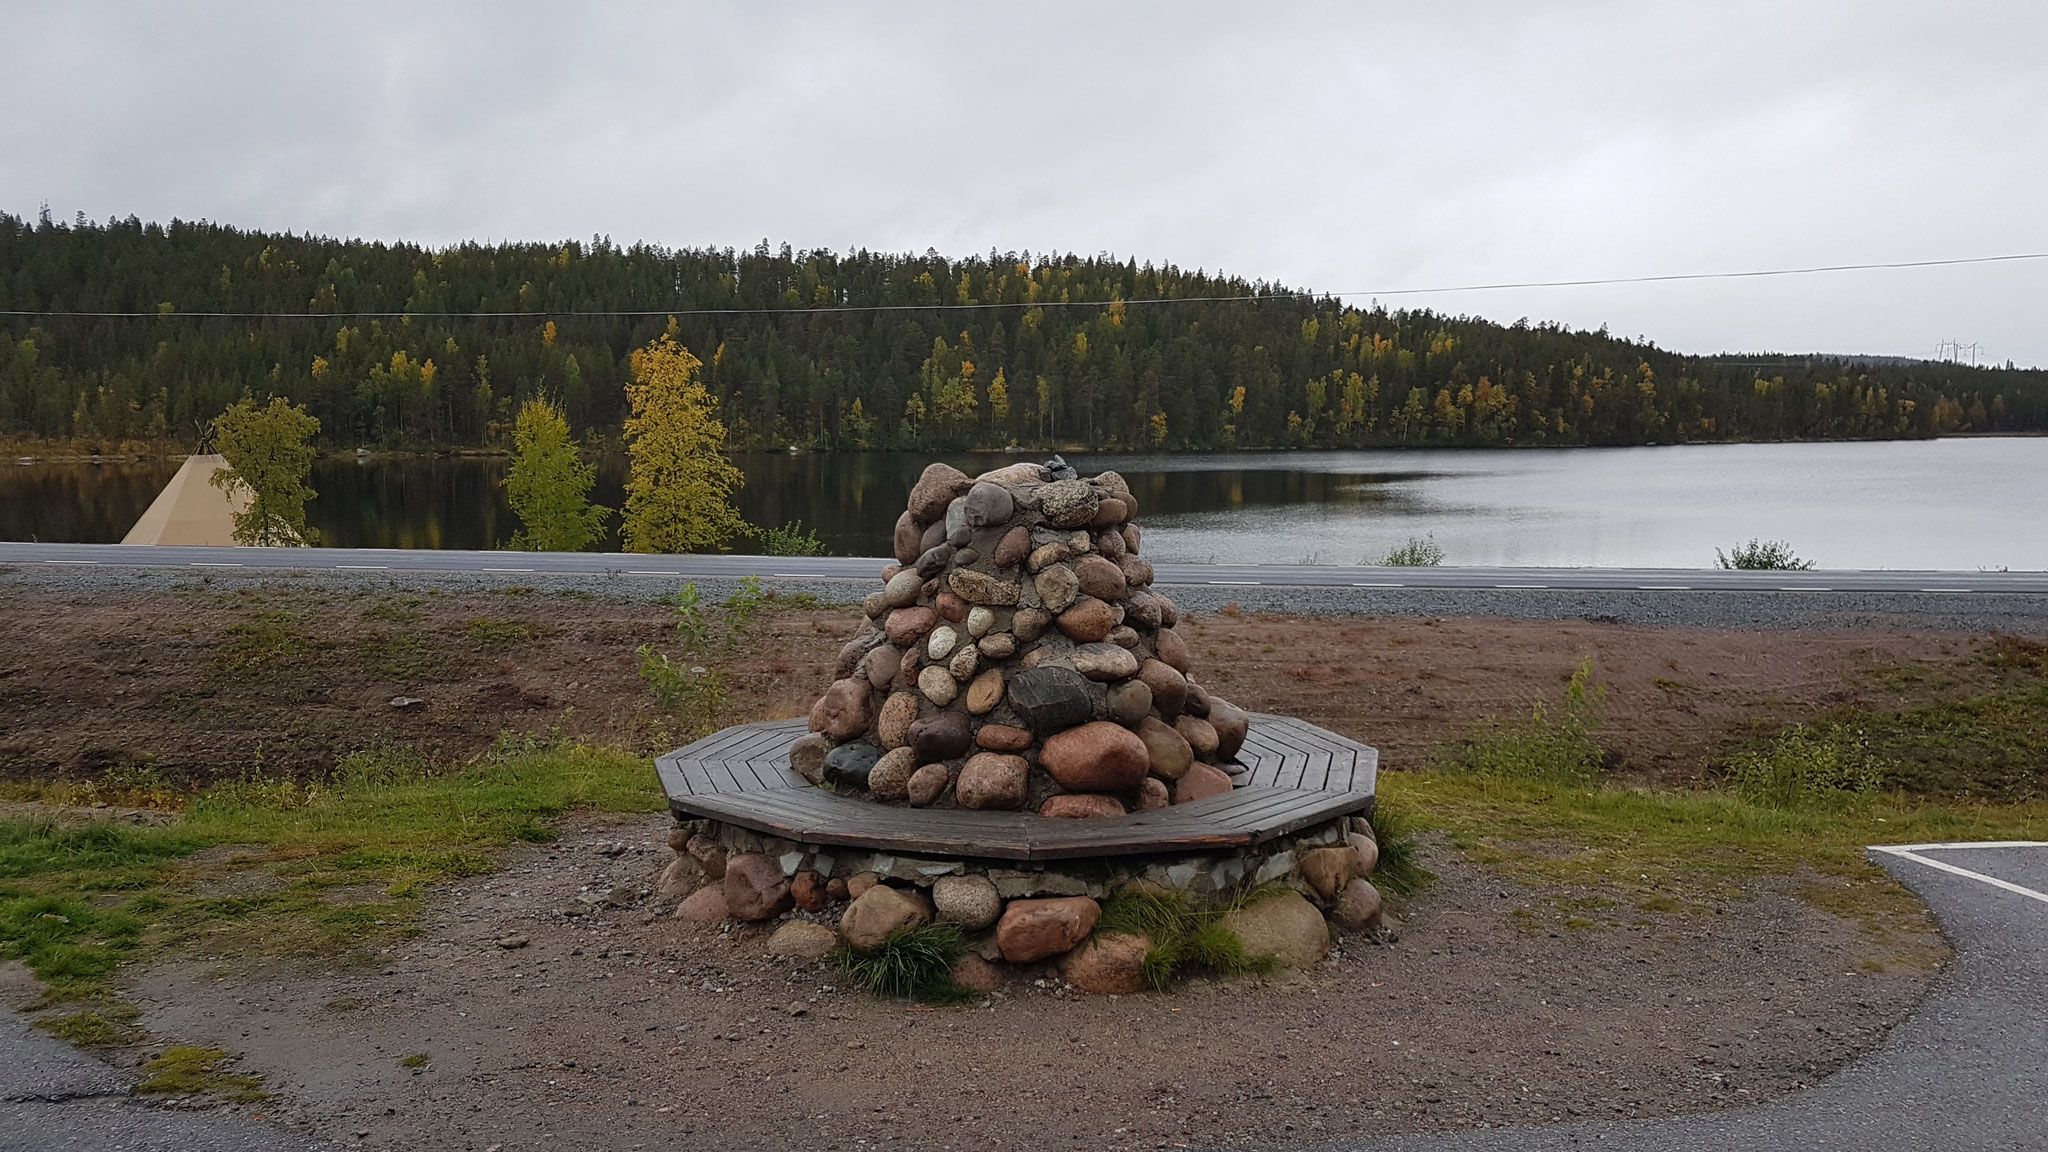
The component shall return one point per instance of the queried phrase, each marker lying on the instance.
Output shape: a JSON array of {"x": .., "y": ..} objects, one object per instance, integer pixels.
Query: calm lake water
[{"x": 1944, "y": 504}]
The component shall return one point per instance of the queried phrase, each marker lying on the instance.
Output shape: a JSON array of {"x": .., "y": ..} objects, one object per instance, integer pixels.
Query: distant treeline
[{"x": 1058, "y": 350}]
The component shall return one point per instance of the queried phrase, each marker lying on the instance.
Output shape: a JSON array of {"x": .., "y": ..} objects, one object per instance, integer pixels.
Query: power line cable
[{"x": 1133, "y": 303}]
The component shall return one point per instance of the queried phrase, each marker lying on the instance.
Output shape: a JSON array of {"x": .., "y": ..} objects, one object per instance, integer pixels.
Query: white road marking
[
  {"x": 797, "y": 575},
  {"x": 1237, "y": 583},
  {"x": 1913, "y": 852},
  {"x": 644, "y": 572},
  {"x": 1663, "y": 587},
  {"x": 1521, "y": 586},
  {"x": 508, "y": 569},
  {"x": 364, "y": 567},
  {"x": 1948, "y": 589},
  {"x": 216, "y": 564},
  {"x": 1379, "y": 585},
  {"x": 70, "y": 561},
  {"x": 1806, "y": 589}
]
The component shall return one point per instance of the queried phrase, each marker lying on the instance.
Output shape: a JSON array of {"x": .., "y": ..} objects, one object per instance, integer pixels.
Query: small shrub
[
  {"x": 1762, "y": 554},
  {"x": 1808, "y": 767},
  {"x": 1553, "y": 746},
  {"x": 1399, "y": 872},
  {"x": 1418, "y": 552},
  {"x": 790, "y": 540},
  {"x": 695, "y": 686},
  {"x": 915, "y": 963}
]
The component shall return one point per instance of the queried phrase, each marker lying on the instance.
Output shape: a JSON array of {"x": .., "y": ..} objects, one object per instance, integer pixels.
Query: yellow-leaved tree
[{"x": 679, "y": 488}]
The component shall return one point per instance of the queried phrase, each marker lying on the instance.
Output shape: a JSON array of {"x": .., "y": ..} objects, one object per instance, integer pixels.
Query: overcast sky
[{"x": 1342, "y": 147}]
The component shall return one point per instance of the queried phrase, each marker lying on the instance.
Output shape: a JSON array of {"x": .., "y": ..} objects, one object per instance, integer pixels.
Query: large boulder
[
  {"x": 842, "y": 712},
  {"x": 704, "y": 906},
  {"x": 1231, "y": 723},
  {"x": 755, "y": 888},
  {"x": 993, "y": 780},
  {"x": 1109, "y": 965},
  {"x": 1284, "y": 926},
  {"x": 969, "y": 901},
  {"x": 1327, "y": 870},
  {"x": 943, "y": 736},
  {"x": 802, "y": 940},
  {"x": 1166, "y": 749},
  {"x": 1358, "y": 906},
  {"x": 1096, "y": 757},
  {"x": 1081, "y": 806},
  {"x": 1050, "y": 699},
  {"x": 937, "y": 487},
  {"x": 1040, "y": 929},
  {"x": 878, "y": 913},
  {"x": 1200, "y": 782},
  {"x": 848, "y": 765}
]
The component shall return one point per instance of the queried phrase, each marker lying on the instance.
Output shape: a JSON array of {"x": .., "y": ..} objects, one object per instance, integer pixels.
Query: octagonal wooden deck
[{"x": 1289, "y": 775}]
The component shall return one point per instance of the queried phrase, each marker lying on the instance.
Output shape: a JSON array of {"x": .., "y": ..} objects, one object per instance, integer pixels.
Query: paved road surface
[
  {"x": 1967, "y": 1071},
  {"x": 855, "y": 568}
]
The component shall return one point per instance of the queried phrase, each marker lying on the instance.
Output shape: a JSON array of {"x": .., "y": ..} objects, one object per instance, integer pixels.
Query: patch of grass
[
  {"x": 912, "y": 963},
  {"x": 496, "y": 633},
  {"x": 416, "y": 1060},
  {"x": 188, "y": 1070},
  {"x": 109, "y": 1026},
  {"x": 76, "y": 902},
  {"x": 403, "y": 656},
  {"x": 267, "y": 638},
  {"x": 1399, "y": 871},
  {"x": 1188, "y": 936},
  {"x": 1554, "y": 745},
  {"x": 1683, "y": 851}
]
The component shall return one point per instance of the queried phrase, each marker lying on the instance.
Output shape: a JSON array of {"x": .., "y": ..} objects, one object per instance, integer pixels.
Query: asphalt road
[
  {"x": 857, "y": 568},
  {"x": 1967, "y": 1071}
]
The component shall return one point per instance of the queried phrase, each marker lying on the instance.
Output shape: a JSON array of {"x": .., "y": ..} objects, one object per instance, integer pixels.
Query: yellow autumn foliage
[{"x": 679, "y": 488}]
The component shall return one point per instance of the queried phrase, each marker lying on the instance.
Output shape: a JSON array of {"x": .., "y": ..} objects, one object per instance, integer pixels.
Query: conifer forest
[{"x": 394, "y": 345}]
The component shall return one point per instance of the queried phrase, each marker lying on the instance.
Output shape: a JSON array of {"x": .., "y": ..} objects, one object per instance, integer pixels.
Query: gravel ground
[
  {"x": 628, "y": 1028},
  {"x": 1948, "y": 612}
]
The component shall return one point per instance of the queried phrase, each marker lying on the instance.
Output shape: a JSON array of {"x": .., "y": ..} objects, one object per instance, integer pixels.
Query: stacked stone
[{"x": 1016, "y": 657}]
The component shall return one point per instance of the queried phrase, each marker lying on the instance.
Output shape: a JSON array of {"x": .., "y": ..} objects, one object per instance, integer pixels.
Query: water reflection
[{"x": 1956, "y": 504}]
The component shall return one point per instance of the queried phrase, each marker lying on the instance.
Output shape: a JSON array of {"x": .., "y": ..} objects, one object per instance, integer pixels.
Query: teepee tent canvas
[{"x": 190, "y": 510}]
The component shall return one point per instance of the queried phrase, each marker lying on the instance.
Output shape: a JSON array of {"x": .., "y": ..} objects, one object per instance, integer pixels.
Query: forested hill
[{"x": 1060, "y": 350}]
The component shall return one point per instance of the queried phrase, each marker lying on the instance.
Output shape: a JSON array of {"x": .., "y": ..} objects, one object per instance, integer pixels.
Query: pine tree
[
  {"x": 548, "y": 487},
  {"x": 678, "y": 492}
]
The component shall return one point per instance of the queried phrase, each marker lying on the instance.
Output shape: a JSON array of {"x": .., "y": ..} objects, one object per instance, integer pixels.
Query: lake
[{"x": 1958, "y": 504}]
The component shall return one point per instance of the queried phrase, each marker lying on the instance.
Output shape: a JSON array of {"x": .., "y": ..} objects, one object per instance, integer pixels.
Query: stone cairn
[{"x": 1016, "y": 658}]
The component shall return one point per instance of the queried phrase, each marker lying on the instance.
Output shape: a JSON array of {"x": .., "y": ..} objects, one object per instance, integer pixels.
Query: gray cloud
[{"x": 1339, "y": 146}]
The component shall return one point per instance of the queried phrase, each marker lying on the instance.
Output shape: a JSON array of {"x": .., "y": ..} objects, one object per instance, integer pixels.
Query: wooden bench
[{"x": 1289, "y": 775}]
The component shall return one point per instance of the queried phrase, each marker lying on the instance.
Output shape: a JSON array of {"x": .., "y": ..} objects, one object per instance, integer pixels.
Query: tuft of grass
[
  {"x": 1807, "y": 766},
  {"x": 1771, "y": 555},
  {"x": 189, "y": 1070},
  {"x": 1399, "y": 871},
  {"x": 1554, "y": 745},
  {"x": 913, "y": 963},
  {"x": 416, "y": 1060},
  {"x": 1187, "y": 935},
  {"x": 1418, "y": 552}
]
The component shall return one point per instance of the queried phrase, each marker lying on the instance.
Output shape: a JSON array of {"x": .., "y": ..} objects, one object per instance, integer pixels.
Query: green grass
[
  {"x": 267, "y": 638},
  {"x": 110, "y": 1026},
  {"x": 1553, "y": 744},
  {"x": 1188, "y": 936},
  {"x": 1399, "y": 871},
  {"x": 187, "y": 1070},
  {"x": 77, "y": 902},
  {"x": 912, "y": 963},
  {"x": 416, "y": 1060}
]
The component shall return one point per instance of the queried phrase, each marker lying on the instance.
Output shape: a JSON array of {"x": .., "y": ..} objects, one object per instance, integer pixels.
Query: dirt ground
[
  {"x": 205, "y": 682},
  {"x": 631, "y": 1029},
  {"x": 628, "y": 1028}
]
